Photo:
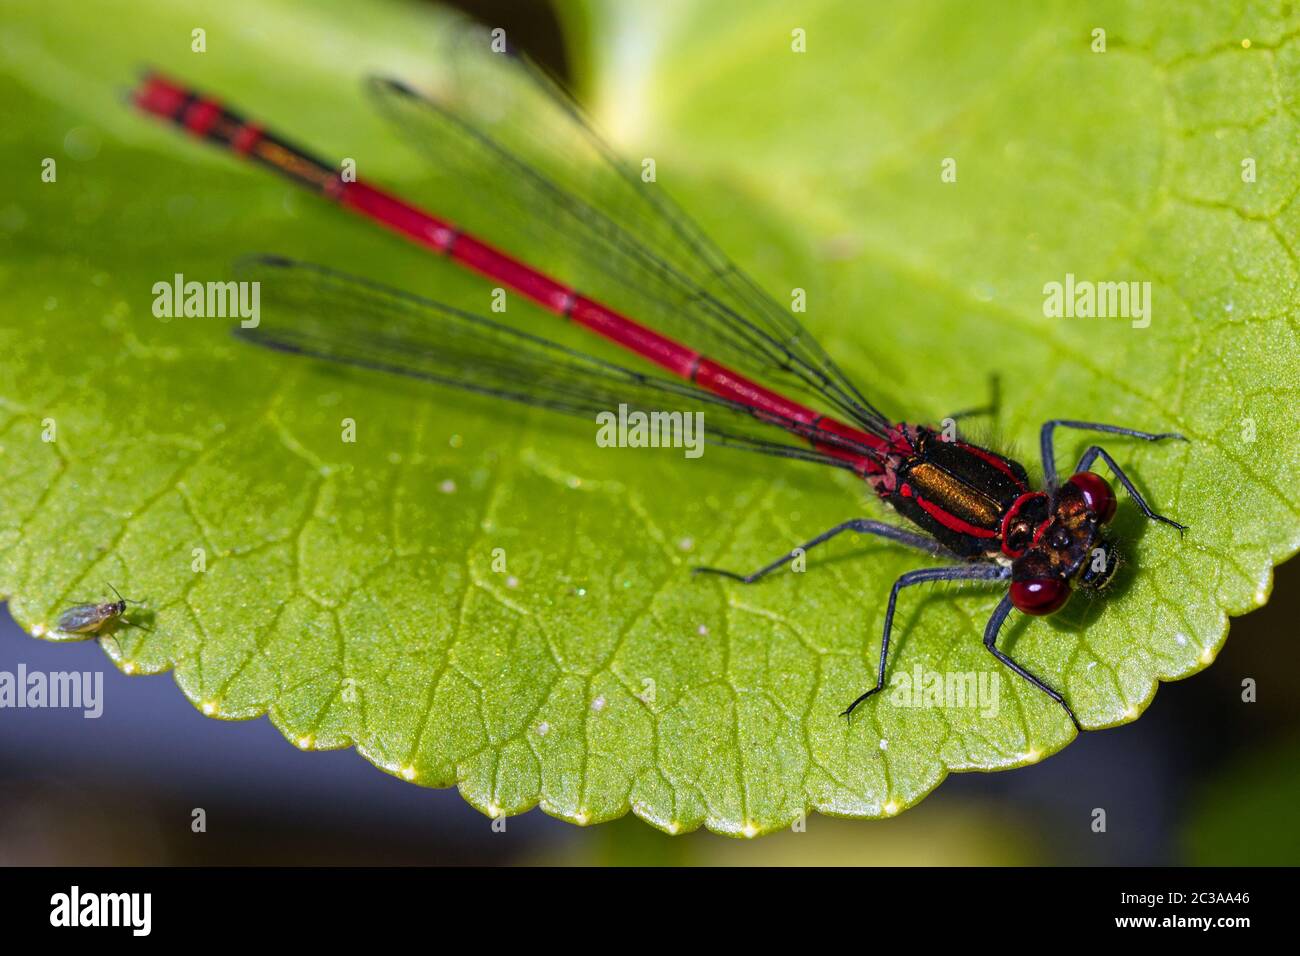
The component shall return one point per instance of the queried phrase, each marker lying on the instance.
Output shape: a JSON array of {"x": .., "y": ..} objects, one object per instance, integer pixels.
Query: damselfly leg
[
  {"x": 1096, "y": 451},
  {"x": 860, "y": 525},
  {"x": 990, "y": 641},
  {"x": 980, "y": 572},
  {"x": 993, "y": 406}
]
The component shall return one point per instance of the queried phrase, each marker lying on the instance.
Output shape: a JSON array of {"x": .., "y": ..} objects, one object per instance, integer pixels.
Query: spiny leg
[
  {"x": 1049, "y": 453},
  {"x": 983, "y": 572},
  {"x": 1091, "y": 455},
  {"x": 991, "y": 409},
  {"x": 990, "y": 641},
  {"x": 860, "y": 525}
]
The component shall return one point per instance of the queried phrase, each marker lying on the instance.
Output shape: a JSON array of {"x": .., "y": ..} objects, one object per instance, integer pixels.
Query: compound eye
[
  {"x": 1097, "y": 494},
  {"x": 1039, "y": 595}
]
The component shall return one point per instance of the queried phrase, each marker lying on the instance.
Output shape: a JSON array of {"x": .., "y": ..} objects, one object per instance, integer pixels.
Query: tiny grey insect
[{"x": 89, "y": 618}]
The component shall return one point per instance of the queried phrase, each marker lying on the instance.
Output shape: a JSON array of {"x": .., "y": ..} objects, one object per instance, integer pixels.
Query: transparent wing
[
  {"x": 528, "y": 173},
  {"x": 316, "y": 311}
]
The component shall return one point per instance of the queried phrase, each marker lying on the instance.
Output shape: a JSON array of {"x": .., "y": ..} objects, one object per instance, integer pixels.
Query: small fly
[{"x": 90, "y": 619}]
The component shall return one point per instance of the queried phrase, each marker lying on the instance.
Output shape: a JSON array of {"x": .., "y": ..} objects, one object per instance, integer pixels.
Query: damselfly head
[{"x": 1068, "y": 549}]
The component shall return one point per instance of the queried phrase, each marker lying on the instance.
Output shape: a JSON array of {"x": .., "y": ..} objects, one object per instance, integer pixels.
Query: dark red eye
[
  {"x": 1097, "y": 495},
  {"x": 1040, "y": 595}
]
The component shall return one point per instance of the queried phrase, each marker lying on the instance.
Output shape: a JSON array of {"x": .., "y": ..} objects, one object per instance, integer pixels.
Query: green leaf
[{"x": 349, "y": 589}]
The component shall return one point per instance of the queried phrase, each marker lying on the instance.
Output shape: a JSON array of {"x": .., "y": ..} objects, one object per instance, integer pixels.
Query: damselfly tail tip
[{"x": 156, "y": 93}]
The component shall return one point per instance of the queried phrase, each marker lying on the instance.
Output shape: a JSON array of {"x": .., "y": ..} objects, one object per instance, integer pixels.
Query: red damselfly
[{"x": 527, "y": 163}]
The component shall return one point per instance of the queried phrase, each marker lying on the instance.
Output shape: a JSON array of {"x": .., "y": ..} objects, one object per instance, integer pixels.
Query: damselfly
[{"x": 527, "y": 163}]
